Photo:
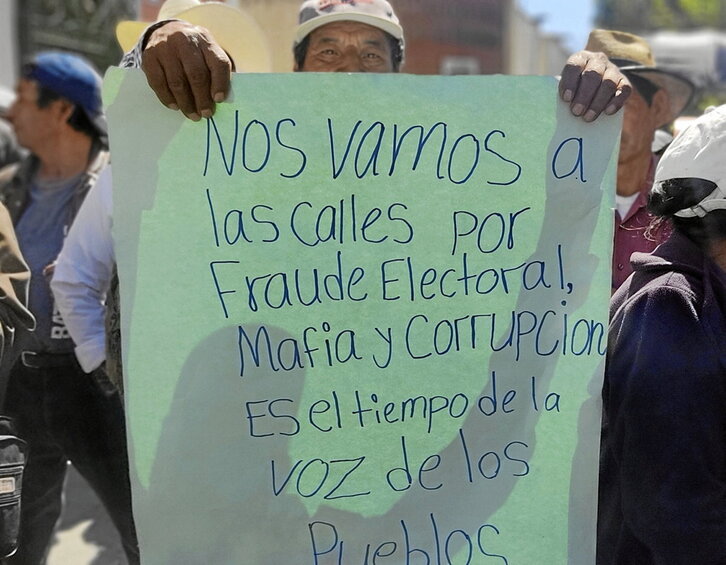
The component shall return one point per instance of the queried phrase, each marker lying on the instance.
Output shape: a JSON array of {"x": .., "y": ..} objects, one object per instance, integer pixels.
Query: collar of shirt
[{"x": 645, "y": 187}]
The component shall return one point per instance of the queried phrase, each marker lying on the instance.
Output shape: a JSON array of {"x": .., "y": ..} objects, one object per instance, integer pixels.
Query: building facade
[{"x": 442, "y": 37}]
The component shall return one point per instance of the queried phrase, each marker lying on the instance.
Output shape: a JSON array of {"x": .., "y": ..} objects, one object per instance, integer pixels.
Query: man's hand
[
  {"x": 186, "y": 68},
  {"x": 591, "y": 84}
]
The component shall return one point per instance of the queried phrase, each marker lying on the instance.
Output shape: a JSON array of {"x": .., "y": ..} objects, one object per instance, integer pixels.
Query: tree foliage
[{"x": 650, "y": 15}]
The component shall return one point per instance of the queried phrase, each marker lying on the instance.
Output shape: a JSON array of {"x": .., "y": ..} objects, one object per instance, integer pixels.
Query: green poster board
[{"x": 364, "y": 319}]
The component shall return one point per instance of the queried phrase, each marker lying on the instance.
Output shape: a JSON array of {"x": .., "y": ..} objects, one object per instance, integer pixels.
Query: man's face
[
  {"x": 348, "y": 47},
  {"x": 32, "y": 124},
  {"x": 640, "y": 121}
]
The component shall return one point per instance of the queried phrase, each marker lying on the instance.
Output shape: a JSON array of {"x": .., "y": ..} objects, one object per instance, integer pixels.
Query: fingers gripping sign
[
  {"x": 593, "y": 85},
  {"x": 189, "y": 71},
  {"x": 186, "y": 68}
]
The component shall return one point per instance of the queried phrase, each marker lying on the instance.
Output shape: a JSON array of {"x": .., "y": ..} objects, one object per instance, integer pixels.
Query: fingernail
[
  {"x": 590, "y": 116},
  {"x": 610, "y": 110},
  {"x": 206, "y": 113},
  {"x": 194, "y": 117},
  {"x": 567, "y": 95},
  {"x": 219, "y": 97},
  {"x": 173, "y": 107},
  {"x": 578, "y": 109}
]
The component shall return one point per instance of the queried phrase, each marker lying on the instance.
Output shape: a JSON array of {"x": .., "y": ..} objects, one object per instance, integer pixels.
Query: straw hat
[
  {"x": 632, "y": 54},
  {"x": 236, "y": 31}
]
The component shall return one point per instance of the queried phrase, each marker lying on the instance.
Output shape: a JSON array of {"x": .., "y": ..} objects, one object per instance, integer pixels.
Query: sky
[{"x": 570, "y": 18}]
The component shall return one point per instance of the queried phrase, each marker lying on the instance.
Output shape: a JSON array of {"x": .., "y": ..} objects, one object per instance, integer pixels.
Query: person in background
[
  {"x": 663, "y": 452},
  {"x": 15, "y": 318},
  {"x": 658, "y": 97},
  {"x": 15, "y": 322},
  {"x": 10, "y": 151},
  {"x": 61, "y": 412}
]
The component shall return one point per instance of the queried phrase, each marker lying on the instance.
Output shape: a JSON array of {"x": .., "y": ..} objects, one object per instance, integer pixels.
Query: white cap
[
  {"x": 699, "y": 152},
  {"x": 376, "y": 13}
]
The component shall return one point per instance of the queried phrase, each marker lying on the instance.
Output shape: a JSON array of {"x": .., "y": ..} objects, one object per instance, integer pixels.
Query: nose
[
  {"x": 350, "y": 68},
  {"x": 350, "y": 62}
]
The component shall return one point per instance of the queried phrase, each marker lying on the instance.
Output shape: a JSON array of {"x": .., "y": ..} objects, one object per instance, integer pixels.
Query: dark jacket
[
  {"x": 15, "y": 182},
  {"x": 663, "y": 454},
  {"x": 15, "y": 319}
]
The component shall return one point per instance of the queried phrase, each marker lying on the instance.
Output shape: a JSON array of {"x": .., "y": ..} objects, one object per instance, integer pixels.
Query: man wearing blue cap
[{"x": 60, "y": 411}]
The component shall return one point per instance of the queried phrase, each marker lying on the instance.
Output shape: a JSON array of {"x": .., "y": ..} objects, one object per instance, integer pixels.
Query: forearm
[{"x": 83, "y": 312}]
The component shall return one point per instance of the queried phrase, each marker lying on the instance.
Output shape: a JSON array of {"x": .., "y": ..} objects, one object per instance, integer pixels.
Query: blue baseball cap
[{"x": 73, "y": 78}]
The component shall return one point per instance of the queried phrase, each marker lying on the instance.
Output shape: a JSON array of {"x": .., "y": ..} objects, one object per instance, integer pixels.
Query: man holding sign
[
  {"x": 188, "y": 70},
  {"x": 356, "y": 433}
]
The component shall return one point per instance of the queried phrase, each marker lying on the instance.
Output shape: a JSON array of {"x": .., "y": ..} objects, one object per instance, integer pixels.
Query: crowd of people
[{"x": 663, "y": 454}]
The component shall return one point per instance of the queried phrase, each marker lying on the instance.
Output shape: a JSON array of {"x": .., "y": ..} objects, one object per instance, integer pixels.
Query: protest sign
[{"x": 364, "y": 319}]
